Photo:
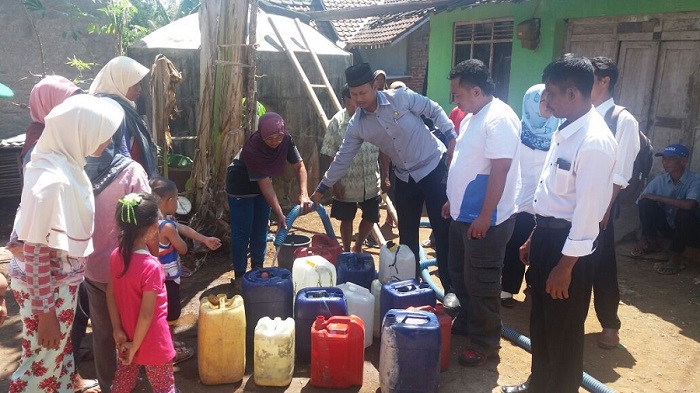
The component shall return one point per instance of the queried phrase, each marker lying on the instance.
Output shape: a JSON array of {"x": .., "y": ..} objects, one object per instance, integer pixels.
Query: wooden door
[
  {"x": 592, "y": 38},
  {"x": 637, "y": 66},
  {"x": 672, "y": 119},
  {"x": 594, "y": 48}
]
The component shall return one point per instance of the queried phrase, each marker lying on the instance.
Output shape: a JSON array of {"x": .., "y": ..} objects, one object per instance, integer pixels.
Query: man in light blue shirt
[
  {"x": 669, "y": 206},
  {"x": 391, "y": 120}
]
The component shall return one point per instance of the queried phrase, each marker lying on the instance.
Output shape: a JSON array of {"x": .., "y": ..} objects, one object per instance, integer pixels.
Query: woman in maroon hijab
[{"x": 251, "y": 196}]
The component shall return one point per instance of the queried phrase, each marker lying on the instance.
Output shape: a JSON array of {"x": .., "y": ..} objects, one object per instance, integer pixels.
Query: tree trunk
[{"x": 222, "y": 56}]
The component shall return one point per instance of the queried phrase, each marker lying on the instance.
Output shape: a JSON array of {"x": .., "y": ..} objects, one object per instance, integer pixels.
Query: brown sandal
[
  {"x": 644, "y": 248},
  {"x": 182, "y": 354}
]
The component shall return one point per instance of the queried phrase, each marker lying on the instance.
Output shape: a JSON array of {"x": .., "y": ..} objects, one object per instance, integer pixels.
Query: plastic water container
[
  {"x": 309, "y": 251},
  {"x": 267, "y": 292},
  {"x": 311, "y": 303},
  {"x": 445, "y": 322},
  {"x": 360, "y": 303},
  {"x": 221, "y": 340},
  {"x": 274, "y": 352},
  {"x": 405, "y": 294},
  {"x": 357, "y": 268},
  {"x": 396, "y": 263},
  {"x": 313, "y": 271},
  {"x": 338, "y": 352},
  {"x": 323, "y": 241},
  {"x": 409, "y": 357},
  {"x": 377, "y": 322}
]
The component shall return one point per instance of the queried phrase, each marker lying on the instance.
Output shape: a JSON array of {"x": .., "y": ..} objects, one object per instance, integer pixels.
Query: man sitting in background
[{"x": 669, "y": 206}]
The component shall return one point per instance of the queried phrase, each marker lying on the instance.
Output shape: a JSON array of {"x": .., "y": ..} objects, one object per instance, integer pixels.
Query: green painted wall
[{"x": 527, "y": 65}]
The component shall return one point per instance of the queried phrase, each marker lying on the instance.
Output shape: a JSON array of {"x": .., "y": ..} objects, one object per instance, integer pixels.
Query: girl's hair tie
[{"x": 127, "y": 207}]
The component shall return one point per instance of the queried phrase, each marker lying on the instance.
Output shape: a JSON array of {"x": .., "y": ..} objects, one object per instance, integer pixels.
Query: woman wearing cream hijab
[
  {"x": 120, "y": 80},
  {"x": 55, "y": 224}
]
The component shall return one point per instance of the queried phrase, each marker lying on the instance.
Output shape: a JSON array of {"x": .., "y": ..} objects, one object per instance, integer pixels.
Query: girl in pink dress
[{"x": 137, "y": 299}]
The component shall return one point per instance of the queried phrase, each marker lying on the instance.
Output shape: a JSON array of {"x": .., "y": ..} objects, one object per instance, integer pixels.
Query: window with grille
[{"x": 489, "y": 41}]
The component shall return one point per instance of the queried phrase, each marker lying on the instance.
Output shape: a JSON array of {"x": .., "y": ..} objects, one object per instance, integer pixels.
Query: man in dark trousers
[
  {"x": 570, "y": 201},
  {"x": 669, "y": 206},
  {"x": 391, "y": 120},
  {"x": 606, "y": 292}
]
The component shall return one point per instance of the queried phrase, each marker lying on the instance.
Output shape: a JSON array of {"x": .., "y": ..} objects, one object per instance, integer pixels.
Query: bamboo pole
[
  {"x": 326, "y": 82},
  {"x": 300, "y": 71}
]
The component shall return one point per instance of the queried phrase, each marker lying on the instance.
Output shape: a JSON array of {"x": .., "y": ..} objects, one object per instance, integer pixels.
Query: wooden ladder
[{"x": 311, "y": 93}]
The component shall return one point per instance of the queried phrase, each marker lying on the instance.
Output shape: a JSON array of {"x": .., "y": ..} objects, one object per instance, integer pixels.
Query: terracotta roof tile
[
  {"x": 380, "y": 31},
  {"x": 296, "y": 5},
  {"x": 346, "y": 28},
  {"x": 373, "y": 31}
]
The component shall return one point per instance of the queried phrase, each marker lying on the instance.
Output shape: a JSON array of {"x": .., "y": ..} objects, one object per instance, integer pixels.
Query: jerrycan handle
[
  {"x": 396, "y": 256},
  {"x": 415, "y": 319},
  {"x": 219, "y": 301},
  {"x": 318, "y": 273}
]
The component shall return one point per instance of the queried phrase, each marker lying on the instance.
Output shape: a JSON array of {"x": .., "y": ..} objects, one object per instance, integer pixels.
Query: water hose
[
  {"x": 296, "y": 212},
  {"x": 589, "y": 383}
]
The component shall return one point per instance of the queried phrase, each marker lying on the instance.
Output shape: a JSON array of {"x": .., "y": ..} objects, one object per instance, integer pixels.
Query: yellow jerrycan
[{"x": 221, "y": 339}]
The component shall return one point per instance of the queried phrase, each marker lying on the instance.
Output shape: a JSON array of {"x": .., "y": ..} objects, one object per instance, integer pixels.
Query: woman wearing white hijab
[
  {"x": 538, "y": 125},
  {"x": 120, "y": 80},
  {"x": 55, "y": 224}
]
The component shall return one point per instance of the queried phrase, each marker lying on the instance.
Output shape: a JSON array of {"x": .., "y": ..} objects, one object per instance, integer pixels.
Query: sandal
[
  {"x": 90, "y": 386},
  {"x": 182, "y": 354},
  {"x": 179, "y": 344},
  {"x": 669, "y": 268},
  {"x": 472, "y": 358},
  {"x": 643, "y": 248}
]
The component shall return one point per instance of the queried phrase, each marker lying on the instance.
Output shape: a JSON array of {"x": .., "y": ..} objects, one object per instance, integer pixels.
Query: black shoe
[
  {"x": 508, "y": 302},
  {"x": 522, "y": 388}
]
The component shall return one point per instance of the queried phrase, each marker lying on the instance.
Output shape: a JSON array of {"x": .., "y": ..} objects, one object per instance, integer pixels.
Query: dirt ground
[{"x": 659, "y": 352}]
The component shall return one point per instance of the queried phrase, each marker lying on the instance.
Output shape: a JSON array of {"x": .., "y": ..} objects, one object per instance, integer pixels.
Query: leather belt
[{"x": 552, "y": 222}]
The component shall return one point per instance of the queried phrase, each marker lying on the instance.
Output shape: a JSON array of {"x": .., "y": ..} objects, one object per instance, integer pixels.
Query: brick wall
[{"x": 417, "y": 53}]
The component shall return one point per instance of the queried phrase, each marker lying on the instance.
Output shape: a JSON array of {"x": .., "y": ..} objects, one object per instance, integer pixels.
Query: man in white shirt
[
  {"x": 570, "y": 201},
  {"x": 626, "y": 130},
  {"x": 482, "y": 185}
]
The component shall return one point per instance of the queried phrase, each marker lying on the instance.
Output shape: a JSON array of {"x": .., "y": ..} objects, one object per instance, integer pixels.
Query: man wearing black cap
[
  {"x": 669, "y": 206},
  {"x": 391, "y": 120}
]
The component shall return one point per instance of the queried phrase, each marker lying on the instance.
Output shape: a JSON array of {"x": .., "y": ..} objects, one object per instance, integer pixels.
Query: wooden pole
[
  {"x": 326, "y": 82},
  {"x": 300, "y": 71},
  {"x": 251, "y": 94}
]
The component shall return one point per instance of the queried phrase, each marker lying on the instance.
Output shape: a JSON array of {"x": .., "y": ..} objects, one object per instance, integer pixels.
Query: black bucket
[{"x": 285, "y": 258}]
